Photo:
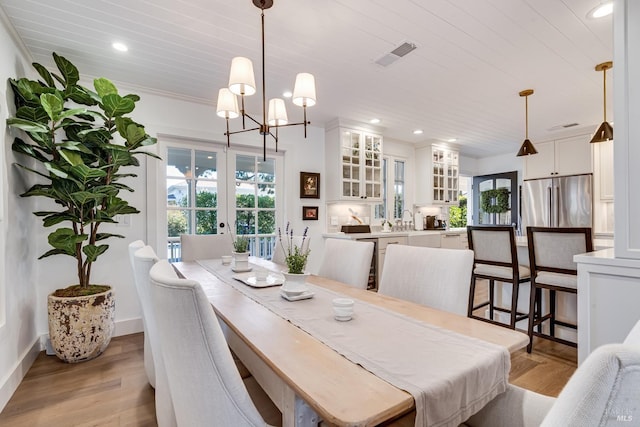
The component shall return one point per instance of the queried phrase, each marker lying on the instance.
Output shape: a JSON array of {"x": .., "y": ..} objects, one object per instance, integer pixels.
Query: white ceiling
[{"x": 462, "y": 81}]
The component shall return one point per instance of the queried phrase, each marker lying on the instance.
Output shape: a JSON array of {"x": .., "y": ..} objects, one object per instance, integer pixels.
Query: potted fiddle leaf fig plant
[{"x": 79, "y": 142}]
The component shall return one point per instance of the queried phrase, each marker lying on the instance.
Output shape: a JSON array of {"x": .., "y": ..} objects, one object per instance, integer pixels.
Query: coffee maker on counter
[{"x": 433, "y": 223}]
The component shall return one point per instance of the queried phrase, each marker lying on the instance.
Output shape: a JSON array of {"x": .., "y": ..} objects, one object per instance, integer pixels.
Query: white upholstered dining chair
[
  {"x": 143, "y": 259},
  {"x": 205, "y": 246},
  {"x": 206, "y": 387},
  {"x": 434, "y": 277},
  {"x": 148, "y": 355},
  {"x": 347, "y": 261},
  {"x": 604, "y": 391}
]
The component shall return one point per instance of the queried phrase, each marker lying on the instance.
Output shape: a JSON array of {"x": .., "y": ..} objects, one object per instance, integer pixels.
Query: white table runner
[{"x": 450, "y": 376}]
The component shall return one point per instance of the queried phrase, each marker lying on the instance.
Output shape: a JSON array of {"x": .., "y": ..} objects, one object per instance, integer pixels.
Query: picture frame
[
  {"x": 309, "y": 213},
  {"x": 309, "y": 185}
]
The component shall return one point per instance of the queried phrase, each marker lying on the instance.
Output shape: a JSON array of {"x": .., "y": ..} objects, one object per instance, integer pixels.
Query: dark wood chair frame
[
  {"x": 516, "y": 280},
  {"x": 536, "y": 319}
]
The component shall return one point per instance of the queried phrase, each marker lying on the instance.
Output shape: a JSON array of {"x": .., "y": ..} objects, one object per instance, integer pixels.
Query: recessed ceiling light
[
  {"x": 417, "y": 132},
  {"x": 121, "y": 47},
  {"x": 374, "y": 121},
  {"x": 451, "y": 140},
  {"x": 601, "y": 10},
  {"x": 209, "y": 157},
  {"x": 287, "y": 94}
]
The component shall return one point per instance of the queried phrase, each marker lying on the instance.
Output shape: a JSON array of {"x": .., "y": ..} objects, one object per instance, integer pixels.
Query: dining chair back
[
  {"x": 496, "y": 260},
  {"x": 148, "y": 354},
  {"x": 143, "y": 259},
  {"x": 434, "y": 277},
  {"x": 551, "y": 252},
  {"x": 206, "y": 387},
  {"x": 347, "y": 261},
  {"x": 603, "y": 391},
  {"x": 205, "y": 246}
]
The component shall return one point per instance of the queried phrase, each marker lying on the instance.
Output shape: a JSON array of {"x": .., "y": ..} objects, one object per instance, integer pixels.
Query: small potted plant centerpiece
[
  {"x": 295, "y": 257},
  {"x": 240, "y": 251}
]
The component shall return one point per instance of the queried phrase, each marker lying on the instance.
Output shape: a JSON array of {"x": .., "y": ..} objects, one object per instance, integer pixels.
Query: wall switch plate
[
  {"x": 334, "y": 220},
  {"x": 123, "y": 220}
]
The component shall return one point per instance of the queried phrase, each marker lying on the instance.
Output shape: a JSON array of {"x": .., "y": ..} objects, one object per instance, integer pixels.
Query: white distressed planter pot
[{"x": 80, "y": 328}]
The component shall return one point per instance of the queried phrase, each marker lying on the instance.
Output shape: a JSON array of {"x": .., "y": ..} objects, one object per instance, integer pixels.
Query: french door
[
  {"x": 211, "y": 189},
  {"x": 495, "y": 199}
]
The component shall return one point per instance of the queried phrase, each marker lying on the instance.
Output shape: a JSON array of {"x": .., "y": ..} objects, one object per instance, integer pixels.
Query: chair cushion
[
  {"x": 569, "y": 281},
  {"x": 501, "y": 272}
]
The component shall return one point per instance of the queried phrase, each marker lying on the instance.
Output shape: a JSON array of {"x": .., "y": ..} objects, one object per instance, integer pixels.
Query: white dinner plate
[{"x": 273, "y": 279}]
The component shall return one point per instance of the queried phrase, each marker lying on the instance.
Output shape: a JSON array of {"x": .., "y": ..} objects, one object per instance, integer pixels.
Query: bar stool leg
[
  {"x": 552, "y": 312},
  {"x": 514, "y": 303},
  {"x": 472, "y": 294},
  {"x": 491, "y": 295},
  {"x": 532, "y": 314}
]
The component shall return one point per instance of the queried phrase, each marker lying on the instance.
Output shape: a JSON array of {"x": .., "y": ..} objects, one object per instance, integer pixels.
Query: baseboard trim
[
  {"x": 128, "y": 327},
  {"x": 13, "y": 379}
]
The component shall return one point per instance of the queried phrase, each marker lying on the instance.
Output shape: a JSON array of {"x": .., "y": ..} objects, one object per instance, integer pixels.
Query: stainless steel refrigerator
[{"x": 557, "y": 202}]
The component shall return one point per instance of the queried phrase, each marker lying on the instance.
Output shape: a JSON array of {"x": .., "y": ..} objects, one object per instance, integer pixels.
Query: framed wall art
[
  {"x": 309, "y": 185},
  {"x": 310, "y": 213}
]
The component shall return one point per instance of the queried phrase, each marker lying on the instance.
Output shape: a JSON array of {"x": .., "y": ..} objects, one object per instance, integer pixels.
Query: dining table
[{"x": 328, "y": 374}]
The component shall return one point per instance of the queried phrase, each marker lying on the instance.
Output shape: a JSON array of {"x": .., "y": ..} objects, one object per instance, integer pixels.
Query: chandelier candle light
[{"x": 242, "y": 82}]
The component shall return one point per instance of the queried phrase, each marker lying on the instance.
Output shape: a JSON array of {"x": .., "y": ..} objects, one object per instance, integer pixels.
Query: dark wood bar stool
[
  {"x": 496, "y": 259},
  {"x": 551, "y": 252}
]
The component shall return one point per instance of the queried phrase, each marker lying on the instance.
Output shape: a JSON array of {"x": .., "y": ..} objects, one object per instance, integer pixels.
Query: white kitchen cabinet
[
  {"x": 561, "y": 157},
  {"x": 437, "y": 177},
  {"x": 604, "y": 169},
  {"x": 354, "y": 162},
  {"x": 431, "y": 240},
  {"x": 454, "y": 240}
]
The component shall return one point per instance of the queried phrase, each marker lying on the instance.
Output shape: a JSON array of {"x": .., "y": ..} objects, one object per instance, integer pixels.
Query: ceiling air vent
[
  {"x": 560, "y": 127},
  {"x": 395, "y": 54}
]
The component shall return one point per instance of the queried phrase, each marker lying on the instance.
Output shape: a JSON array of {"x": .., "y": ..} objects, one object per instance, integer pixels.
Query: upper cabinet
[
  {"x": 437, "y": 179},
  {"x": 354, "y": 163},
  {"x": 567, "y": 156}
]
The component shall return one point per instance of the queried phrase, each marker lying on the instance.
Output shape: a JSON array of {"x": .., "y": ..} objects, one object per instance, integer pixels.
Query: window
[
  {"x": 397, "y": 191},
  {"x": 398, "y": 187},
  {"x": 458, "y": 214},
  {"x": 255, "y": 207}
]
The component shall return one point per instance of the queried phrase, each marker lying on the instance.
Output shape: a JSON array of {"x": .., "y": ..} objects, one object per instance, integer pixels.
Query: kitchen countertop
[{"x": 376, "y": 234}]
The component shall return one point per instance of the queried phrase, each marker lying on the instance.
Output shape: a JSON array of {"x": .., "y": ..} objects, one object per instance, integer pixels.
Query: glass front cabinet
[
  {"x": 445, "y": 175},
  {"x": 357, "y": 157}
]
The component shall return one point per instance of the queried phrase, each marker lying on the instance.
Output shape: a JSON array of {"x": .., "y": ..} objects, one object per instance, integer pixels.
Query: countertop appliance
[
  {"x": 565, "y": 201},
  {"x": 433, "y": 223},
  {"x": 418, "y": 221}
]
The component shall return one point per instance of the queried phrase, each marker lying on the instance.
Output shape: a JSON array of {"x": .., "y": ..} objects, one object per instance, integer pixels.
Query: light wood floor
[{"x": 112, "y": 390}]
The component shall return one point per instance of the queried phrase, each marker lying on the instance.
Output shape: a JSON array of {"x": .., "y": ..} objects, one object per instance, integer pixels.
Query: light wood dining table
[{"x": 307, "y": 380}]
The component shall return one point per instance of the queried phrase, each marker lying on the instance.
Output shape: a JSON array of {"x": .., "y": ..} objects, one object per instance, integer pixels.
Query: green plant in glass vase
[{"x": 295, "y": 256}]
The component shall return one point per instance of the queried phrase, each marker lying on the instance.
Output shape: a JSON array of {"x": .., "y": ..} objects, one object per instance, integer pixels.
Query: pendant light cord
[
  {"x": 526, "y": 117},
  {"x": 604, "y": 86}
]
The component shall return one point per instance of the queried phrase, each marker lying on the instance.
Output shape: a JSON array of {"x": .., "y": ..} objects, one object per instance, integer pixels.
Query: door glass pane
[
  {"x": 177, "y": 223},
  {"x": 178, "y": 162},
  {"x": 245, "y": 168},
  {"x": 206, "y": 221},
  {"x": 266, "y": 196},
  {"x": 267, "y": 170},
  {"x": 206, "y": 165},
  {"x": 178, "y": 193}
]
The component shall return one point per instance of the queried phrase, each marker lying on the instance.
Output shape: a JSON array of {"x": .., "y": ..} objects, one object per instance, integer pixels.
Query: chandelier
[{"x": 242, "y": 83}]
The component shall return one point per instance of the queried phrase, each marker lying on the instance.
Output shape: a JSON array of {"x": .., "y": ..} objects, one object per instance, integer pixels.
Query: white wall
[{"x": 19, "y": 333}]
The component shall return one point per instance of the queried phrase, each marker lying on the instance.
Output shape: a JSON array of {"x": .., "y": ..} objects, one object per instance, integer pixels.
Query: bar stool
[
  {"x": 551, "y": 252},
  {"x": 496, "y": 260}
]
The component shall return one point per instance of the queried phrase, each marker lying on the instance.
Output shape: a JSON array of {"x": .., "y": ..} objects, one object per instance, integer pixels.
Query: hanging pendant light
[
  {"x": 604, "y": 131},
  {"x": 527, "y": 147},
  {"x": 242, "y": 83}
]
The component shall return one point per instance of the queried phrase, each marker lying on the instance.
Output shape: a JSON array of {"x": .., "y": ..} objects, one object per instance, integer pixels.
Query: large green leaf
[
  {"x": 55, "y": 252},
  {"x": 133, "y": 97},
  {"x": 65, "y": 239},
  {"x": 104, "y": 87},
  {"x": 83, "y": 197},
  {"x": 72, "y": 112},
  {"x": 102, "y": 236},
  {"x": 75, "y": 146},
  {"x": 93, "y": 252},
  {"x": 27, "y": 125},
  {"x": 34, "y": 114},
  {"x": 57, "y": 218},
  {"x": 52, "y": 104},
  {"x": 40, "y": 190},
  {"x": 98, "y": 136},
  {"x": 44, "y": 73},
  {"x": 114, "y": 105},
  {"x": 72, "y": 157},
  {"x": 80, "y": 95},
  {"x": 67, "y": 69},
  {"x": 86, "y": 173},
  {"x": 55, "y": 170},
  {"x": 19, "y": 146}
]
